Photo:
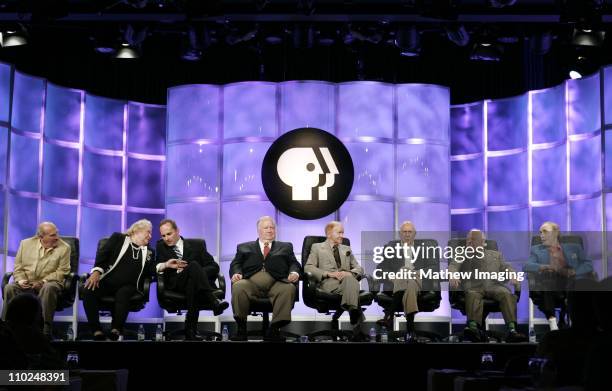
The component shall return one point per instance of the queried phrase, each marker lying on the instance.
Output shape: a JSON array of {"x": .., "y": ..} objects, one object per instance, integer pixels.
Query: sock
[
  {"x": 512, "y": 326},
  {"x": 552, "y": 322},
  {"x": 473, "y": 324}
]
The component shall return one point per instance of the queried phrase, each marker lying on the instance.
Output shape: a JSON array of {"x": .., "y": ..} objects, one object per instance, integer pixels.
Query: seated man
[
  {"x": 556, "y": 265},
  {"x": 478, "y": 289},
  {"x": 264, "y": 268},
  {"x": 334, "y": 266},
  {"x": 188, "y": 270},
  {"x": 41, "y": 264},
  {"x": 408, "y": 288}
]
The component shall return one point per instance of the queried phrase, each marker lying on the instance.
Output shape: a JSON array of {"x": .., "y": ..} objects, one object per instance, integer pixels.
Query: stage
[{"x": 254, "y": 363}]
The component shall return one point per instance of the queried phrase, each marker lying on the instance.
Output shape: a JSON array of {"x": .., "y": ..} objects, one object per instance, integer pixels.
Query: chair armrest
[
  {"x": 5, "y": 280},
  {"x": 161, "y": 285},
  {"x": 371, "y": 284},
  {"x": 70, "y": 281},
  {"x": 221, "y": 282},
  {"x": 146, "y": 288}
]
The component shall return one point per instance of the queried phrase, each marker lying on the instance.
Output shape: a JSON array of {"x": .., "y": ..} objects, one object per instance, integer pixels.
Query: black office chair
[
  {"x": 457, "y": 295},
  {"x": 107, "y": 303},
  {"x": 429, "y": 297},
  {"x": 324, "y": 302},
  {"x": 534, "y": 280},
  {"x": 66, "y": 296},
  {"x": 175, "y": 302}
]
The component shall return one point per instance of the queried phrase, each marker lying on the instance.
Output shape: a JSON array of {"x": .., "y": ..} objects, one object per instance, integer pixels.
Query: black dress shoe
[
  {"x": 472, "y": 335},
  {"x": 274, "y": 335},
  {"x": 219, "y": 306},
  {"x": 514, "y": 336},
  {"x": 193, "y": 335},
  {"x": 411, "y": 338},
  {"x": 99, "y": 337},
  {"x": 114, "y": 336}
]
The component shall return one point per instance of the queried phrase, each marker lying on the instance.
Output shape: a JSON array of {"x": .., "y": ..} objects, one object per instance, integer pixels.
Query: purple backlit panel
[
  {"x": 4, "y": 134},
  {"x": 425, "y": 165},
  {"x": 64, "y": 216},
  {"x": 584, "y": 114},
  {"x": 192, "y": 171},
  {"x": 307, "y": 104},
  {"x": 196, "y": 220},
  {"x": 60, "y": 160},
  {"x": 422, "y": 112},
  {"x": 249, "y": 109},
  {"x": 609, "y": 233},
  {"x": 586, "y": 217},
  {"x": 22, "y": 220},
  {"x": 104, "y": 123},
  {"x": 100, "y": 224},
  {"x": 360, "y": 216},
  {"x": 100, "y": 169},
  {"x": 507, "y": 123},
  {"x": 508, "y": 228},
  {"x": 194, "y": 112},
  {"x": 294, "y": 231},
  {"x": 507, "y": 180},
  {"x": 28, "y": 98},
  {"x": 608, "y": 160},
  {"x": 155, "y": 219},
  {"x": 467, "y": 184},
  {"x": 430, "y": 217},
  {"x": 465, "y": 222},
  {"x": 145, "y": 183},
  {"x": 548, "y": 115},
  {"x": 466, "y": 124},
  {"x": 5, "y": 91},
  {"x": 63, "y": 113},
  {"x": 585, "y": 166},
  {"x": 373, "y": 168},
  {"x": 238, "y": 223},
  {"x": 556, "y": 213},
  {"x": 24, "y": 165},
  {"x": 365, "y": 109},
  {"x": 146, "y": 129},
  {"x": 242, "y": 168},
  {"x": 607, "y": 91},
  {"x": 548, "y": 168}
]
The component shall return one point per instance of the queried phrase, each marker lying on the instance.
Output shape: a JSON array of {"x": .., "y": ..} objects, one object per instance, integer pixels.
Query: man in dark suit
[
  {"x": 264, "y": 268},
  {"x": 189, "y": 270}
]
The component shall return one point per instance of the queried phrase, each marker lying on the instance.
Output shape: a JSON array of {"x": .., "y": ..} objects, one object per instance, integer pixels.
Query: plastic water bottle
[
  {"x": 159, "y": 333},
  {"x": 70, "y": 334},
  {"x": 141, "y": 333},
  {"x": 532, "y": 335},
  {"x": 225, "y": 334},
  {"x": 372, "y": 334},
  {"x": 384, "y": 336}
]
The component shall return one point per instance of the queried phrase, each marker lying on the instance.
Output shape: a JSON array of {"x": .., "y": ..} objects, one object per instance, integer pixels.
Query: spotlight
[
  {"x": 14, "y": 37},
  {"x": 581, "y": 67},
  {"x": 192, "y": 50},
  {"x": 126, "y": 51},
  {"x": 458, "y": 35},
  {"x": 130, "y": 46},
  {"x": 408, "y": 41},
  {"x": 588, "y": 37},
  {"x": 487, "y": 50}
]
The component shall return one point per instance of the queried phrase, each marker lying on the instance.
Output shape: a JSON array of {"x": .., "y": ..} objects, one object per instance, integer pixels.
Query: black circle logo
[{"x": 307, "y": 173}]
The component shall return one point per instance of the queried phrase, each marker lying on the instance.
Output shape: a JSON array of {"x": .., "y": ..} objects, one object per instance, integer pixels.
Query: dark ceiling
[{"x": 276, "y": 40}]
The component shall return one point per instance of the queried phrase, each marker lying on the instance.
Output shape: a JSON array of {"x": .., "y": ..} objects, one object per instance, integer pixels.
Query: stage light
[
  {"x": 12, "y": 38},
  {"x": 192, "y": 51},
  {"x": 501, "y": 3},
  {"x": 582, "y": 66},
  {"x": 458, "y": 35},
  {"x": 126, "y": 51},
  {"x": 130, "y": 46},
  {"x": 588, "y": 37},
  {"x": 487, "y": 50}
]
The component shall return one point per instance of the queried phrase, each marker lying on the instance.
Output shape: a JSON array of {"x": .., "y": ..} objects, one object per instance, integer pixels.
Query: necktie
[
  {"x": 266, "y": 249},
  {"x": 177, "y": 251},
  {"x": 337, "y": 256}
]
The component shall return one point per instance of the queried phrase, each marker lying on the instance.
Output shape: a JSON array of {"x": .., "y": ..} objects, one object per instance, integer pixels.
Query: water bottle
[
  {"x": 225, "y": 334},
  {"x": 532, "y": 335},
  {"x": 70, "y": 334},
  {"x": 141, "y": 333},
  {"x": 372, "y": 334},
  {"x": 159, "y": 333},
  {"x": 384, "y": 337}
]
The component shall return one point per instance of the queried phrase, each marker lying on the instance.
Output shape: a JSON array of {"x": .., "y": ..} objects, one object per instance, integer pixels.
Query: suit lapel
[
  {"x": 186, "y": 250},
  {"x": 257, "y": 250}
]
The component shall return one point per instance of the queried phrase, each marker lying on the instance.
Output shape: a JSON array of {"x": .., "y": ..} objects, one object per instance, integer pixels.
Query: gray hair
[
  {"x": 264, "y": 218},
  {"x": 138, "y": 226},
  {"x": 41, "y": 227}
]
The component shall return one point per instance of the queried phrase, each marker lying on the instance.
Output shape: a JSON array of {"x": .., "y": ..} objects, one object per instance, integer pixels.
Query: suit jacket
[
  {"x": 493, "y": 261},
  {"x": 52, "y": 267},
  {"x": 191, "y": 253},
  {"x": 279, "y": 263},
  {"x": 321, "y": 260},
  {"x": 572, "y": 252},
  {"x": 115, "y": 247}
]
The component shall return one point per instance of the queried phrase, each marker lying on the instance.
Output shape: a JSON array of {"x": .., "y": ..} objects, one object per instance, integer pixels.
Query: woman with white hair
[{"x": 120, "y": 268}]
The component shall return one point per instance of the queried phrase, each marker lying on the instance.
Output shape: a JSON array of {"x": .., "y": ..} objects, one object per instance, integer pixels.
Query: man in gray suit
[
  {"x": 476, "y": 290},
  {"x": 335, "y": 267}
]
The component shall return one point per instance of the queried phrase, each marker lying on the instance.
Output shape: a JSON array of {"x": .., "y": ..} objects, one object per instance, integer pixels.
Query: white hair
[
  {"x": 138, "y": 226},
  {"x": 264, "y": 218},
  {"x": 40, "y": 230}
]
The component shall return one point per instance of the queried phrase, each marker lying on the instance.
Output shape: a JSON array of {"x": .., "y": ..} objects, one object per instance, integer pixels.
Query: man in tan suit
[
  {"x": 476, "y": 290},
  {"x": 335, "y": 267},
  {"x": 41, "y": 264}
]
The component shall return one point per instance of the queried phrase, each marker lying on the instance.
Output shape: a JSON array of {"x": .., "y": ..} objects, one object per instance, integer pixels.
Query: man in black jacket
[
  {"x": 190, "y": 270},
  {"x": 264, "y": 268}
]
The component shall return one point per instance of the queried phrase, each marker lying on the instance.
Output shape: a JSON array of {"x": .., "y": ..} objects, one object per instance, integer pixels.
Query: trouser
[
  {"x": 120, "y": 311},
  {"x": 193, "y": 282},
  {"x": 48, "y": 299},
  {"x": 411, "y": 288},
  {"x": 262, "y": 284},
  {"x": 474, "y": 302}
]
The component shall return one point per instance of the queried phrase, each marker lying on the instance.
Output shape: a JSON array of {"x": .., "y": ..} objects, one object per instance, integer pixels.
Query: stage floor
[{"x": 265, "y": 364}]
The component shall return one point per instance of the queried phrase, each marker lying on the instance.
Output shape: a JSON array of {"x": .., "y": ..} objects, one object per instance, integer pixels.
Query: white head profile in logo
[{"x": 301, "y": 169}]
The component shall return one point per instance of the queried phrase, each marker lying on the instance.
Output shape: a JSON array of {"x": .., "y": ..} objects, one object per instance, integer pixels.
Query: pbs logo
[{"x": 307, "y": 173}]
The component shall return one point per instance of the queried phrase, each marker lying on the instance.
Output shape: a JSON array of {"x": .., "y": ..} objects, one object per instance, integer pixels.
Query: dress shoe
[
  {"x": 219, "y": 306},
  {"x": 514, "y": 336},
  {"x": 472, "y": 335},
  {"x": 193, "y": 335},
  {"x": 114, "y": 335},
  {"x": 355, "y": 316},
  {"x": 360, "y": 336},
  {"x": 99, "y": 336},
  {"x": 274, "y": 335},
  {"x": 387, "y": 321},
  {"x": 411, "y": 338},
  {"x": 241, "y": 331}
]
